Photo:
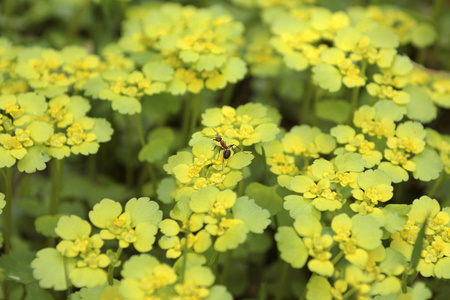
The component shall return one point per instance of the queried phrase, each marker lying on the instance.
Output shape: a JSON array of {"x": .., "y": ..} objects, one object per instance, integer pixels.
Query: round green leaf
[
  {"x": 291, "y": 247},
  {"x": 265, "y": 196},
  {"x": 428, "y": 165}
]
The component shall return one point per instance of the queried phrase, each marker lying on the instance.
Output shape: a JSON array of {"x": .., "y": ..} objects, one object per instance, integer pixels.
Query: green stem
[
  {"x": 184, "y": 259},
  {"x": 7, "y": 221},
  {"x": 137, "y": 120},
  {"x": 228, "y": 94},
  {"x": 185, "y": 120},
  {"x": 57, "y": 170},
  {"x": 404, "y": 282},
  {"x": 152, "y": 176},
  {"x": 267, "y": 93},
  {"x": 337, "y": 258},
  {"x": 196, "y": 109},
  {"x": 413, "y": 277},
  {"x": 438, "y": 183},
  {"x": 282, "y": 282},
  {"x": 437, "y": 13},
  {"x": 421, "y": 56},
  {"x": 353, "y": 104},
  {"x": 226, "y": 267},
  {"x": 130, "y": 156},
  {"x": 8, "y": 6},
  {"x": 213, "y": 259},
  {"x": 355, "y": 94},
  {"x": 91, "y": 167},
  {"x": 350, "y": 293},
  {"x": 66, "y": 278},
  {"x": 112, "y": 265},
  {"x": 306, "y": 106},
  {"x": 241, "y": 188},
  {"x": 7, "y": 211},
  {"x": 105, "y": 6},
  {"x": 150, "y": 168},
  {"x": 74, "y": 23},
  {"x": 317, "y": 97},
  {"x": 25, "y": 185}
]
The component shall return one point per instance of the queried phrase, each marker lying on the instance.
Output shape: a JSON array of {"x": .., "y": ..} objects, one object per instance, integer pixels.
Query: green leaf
[
  {"x": 35, "y": 159},
  {"x": 103, "y": 130},
  {"x": 255, "y": 217},
  {"x": 91, "y": 293},
  {"x": 232, "y": 238},
  {"x": 420, "y": 107},
  {"x": 40, "y": 131},
  {"x": 234, "y": 69},
  {"x": 394, "y": 264},
  {"x": 160, "y": 140},
  {"x": 352, "y": 162},
  {"x": 126, "y": 105},
  {"x": 218, "y": 292},
  {"x": 166, "y": 187},
  {"x": 442, "y": 268},
  {"x": 94, "y": 85},
  {"x": 423, "y": 35},
  {"x": 327, "y": 77},
  {"x": 418, "y": 245},
  {"x": 34, "y": 292},
  {"x": 296, "y": 61},
  {"x": 395, "y": 216},
  {"x": 318, "y": 288},
  {"x": 240, "y": 160},
  {"x": 366, "y": 231},
  {"x": 396, "y": 173},
  {"x": 46, "y": 225},
  {"x": 16, "y": 266},
  {"x": 297, "y": 205},
  {"x": 158, "y": 71},
  {"x": 291, "y": 247},
  {"x": 336, "y": 111},
  {"x": 209, "y": 62},
  {"x": 382, "y": 38},
  {"x": 428, "y": 165},
  {"x": 265, "y": 196}
]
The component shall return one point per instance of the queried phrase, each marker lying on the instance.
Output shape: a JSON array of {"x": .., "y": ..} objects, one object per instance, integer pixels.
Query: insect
[{"x": 223, "y": 146}]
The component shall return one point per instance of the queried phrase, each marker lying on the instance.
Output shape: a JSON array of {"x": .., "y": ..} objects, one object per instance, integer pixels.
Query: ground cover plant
[{"x": 228, "y": 149}]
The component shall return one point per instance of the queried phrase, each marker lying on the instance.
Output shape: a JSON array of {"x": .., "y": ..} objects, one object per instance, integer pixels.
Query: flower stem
[
  {"x": 413, "y": 277},
  {"x": 337, "y": 258},
  {"x": 355, "y": 94},
  {"x": 74, "y": 24},
  {"x": 306, "y": 105},
  {"x": 228, "y": 94},
  {"x": 438, "y": 184},
  {"x": 150, "y": 168},
  {"x": 184, "y": 259},
  {"x": 226, "y": 267},
  {"x": 57, "y": 174},
  {"x": 7, "y": 214},
  {"x": 350, "y": 293},
  {"x": 404, "y": 282},
  {"x": 8, "y": 6},
  {"x": 241, "y": 188},
  {"x": 196, "y": 108},
  {"x": 130, "y": 156},
  {"x": 437, "y": 13},
  {"x": 282, "y": 282},
  {"x": 137, "y": 120},
  {"x": 213, "y": 259},
  {"x": 113, "y": 265},
  {"x": 66, "y": 278}
]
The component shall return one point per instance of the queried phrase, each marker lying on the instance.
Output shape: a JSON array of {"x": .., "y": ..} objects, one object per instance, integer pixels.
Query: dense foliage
[{"x": 228, "y": 149}]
